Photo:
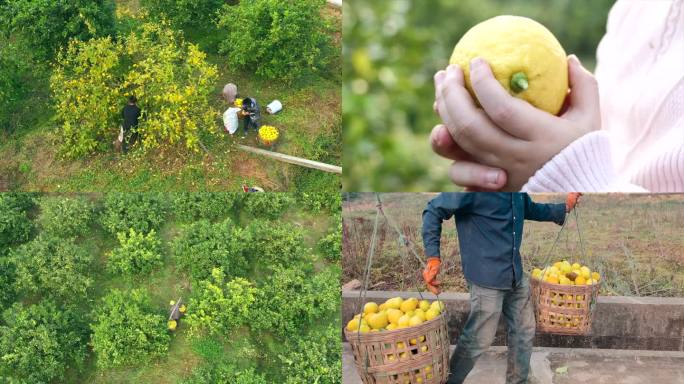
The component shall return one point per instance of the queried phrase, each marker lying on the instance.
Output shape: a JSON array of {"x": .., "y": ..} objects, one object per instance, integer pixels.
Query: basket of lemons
[
  {"x": 400, "y": 341},
  {"x": 238, "y": 103},
  {"x": 564, "y": 294},
  {"x": 268, "y": 135}
]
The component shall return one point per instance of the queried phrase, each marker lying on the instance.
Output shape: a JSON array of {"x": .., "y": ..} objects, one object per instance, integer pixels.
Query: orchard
[
  {"x": 92, "y": 300},
  {"x": 68, "y": 68}
]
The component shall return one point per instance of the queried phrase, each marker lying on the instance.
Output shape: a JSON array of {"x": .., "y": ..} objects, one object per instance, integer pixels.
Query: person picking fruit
[
  {"x": 490, "y": 228},
  {"x": 517, "y": 114}
]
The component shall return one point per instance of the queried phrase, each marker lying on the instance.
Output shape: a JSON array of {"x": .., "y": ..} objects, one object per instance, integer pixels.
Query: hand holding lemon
[{"x": 498, "y": 99}]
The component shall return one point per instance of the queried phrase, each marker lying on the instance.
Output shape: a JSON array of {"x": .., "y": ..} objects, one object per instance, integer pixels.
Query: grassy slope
[
  {"x": 635, "y": 240},
  {"x": 29, "y": 156},
  {"x": 164, "y": 285}
]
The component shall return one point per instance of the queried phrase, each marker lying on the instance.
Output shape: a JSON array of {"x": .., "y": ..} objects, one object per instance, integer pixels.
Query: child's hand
[{"x": 506, "y": 134}]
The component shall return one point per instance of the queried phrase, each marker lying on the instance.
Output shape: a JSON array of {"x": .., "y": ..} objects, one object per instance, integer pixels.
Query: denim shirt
[{"x": 490, "y": 228}]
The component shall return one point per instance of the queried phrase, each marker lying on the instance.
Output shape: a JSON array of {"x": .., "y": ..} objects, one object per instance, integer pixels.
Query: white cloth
[{"x": 230, "y": 120}]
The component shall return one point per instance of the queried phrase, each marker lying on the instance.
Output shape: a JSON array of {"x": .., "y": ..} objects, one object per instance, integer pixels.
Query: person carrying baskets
[{"x": 490, "y": 228}]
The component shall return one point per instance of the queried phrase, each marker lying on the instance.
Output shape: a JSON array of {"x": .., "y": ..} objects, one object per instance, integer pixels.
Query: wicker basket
[
  {"x": 563, "y": 309},
  {"x": 412, "y": 355}
]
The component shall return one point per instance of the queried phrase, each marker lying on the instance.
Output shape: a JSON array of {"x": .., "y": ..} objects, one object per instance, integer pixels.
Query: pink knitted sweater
[{"x": 640, "y": 73}]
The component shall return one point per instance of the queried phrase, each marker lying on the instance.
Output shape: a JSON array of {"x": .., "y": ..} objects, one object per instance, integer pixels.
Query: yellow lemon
[
  {"x": 404, "y": 321},
  {"x": 431, "y": 314},
  {"x": 391, "y": 327},
  {"x": 536, "y": 273},
  {"x": 525, "y": 58},
  {"x": 580, "y": 280},
  {"x": 437, "y": 305},
  {"x": 378, "y": 320},
  {"x": 382, "y": 307},
  {"x": 394, "y": 302},
  {"x": 552, "y": 279},
  {"x": 415, "y": 320},
  {"x": 557, "y": 264},
  {"x": 409, "y": 305},
  {"x": 585, "y": 272},
  {"x": 595, "y": 276},
  {"x": 424, "y": 348},
  {"x": 428, "y": 369},
  {"x": 353, "y": 324},
  {"x": 401, "y": 345},
  {"x": 393, "y": 315},
  {"x": 419, "y": 312},
  {"x": 424, "y": 305},
  {"x": 364, "y": 328},
  {"x": 576, "y": 266},
  {"x": 370, "y": 307}
]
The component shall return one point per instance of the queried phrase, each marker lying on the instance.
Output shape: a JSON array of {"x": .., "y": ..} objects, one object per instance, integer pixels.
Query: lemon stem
[{"x": 519, "y": 82}]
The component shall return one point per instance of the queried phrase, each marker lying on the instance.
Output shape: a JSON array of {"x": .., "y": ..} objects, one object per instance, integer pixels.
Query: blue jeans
[{"x": 486, "y": 307}]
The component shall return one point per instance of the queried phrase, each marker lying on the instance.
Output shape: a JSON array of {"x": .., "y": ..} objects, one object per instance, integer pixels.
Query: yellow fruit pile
[
  {"x": 238, "y": 103},
  {"x": 564, "y": 273},
  {"x": 172, "y": 325},
  {"x": 395, "y": 313},
  {"x": 268, "y": 133}
]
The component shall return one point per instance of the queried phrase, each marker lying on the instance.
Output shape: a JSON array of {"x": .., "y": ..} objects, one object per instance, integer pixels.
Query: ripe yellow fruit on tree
[{"x": 524, "y": 56}]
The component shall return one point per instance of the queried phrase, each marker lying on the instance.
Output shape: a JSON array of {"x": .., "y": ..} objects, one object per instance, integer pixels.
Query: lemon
[
  {"x": 391, "y": 327},
  {"x": 353, "y": 324},
  {"x": 431, "y": 314},
  {"x": 364, "y": 328},
  {"x": 378, "y": 320},
  {"x": 403, "y": 321},
  {"x": 524, "y": 56},
  {"x": 393, "y": 315},
  {"x": 420, "y": 313},
  {"x": 409, "y": 305},
  {"x": 424, "y": 305},
  {"x": 580, "y": 280},
  {"x": 415, "y": 320},
  {"x": 370, "y": 307},
  {"x": 595, "y": 276},
  {"x": 394, "y": 302},
  {"x": 438, "y": 306}
]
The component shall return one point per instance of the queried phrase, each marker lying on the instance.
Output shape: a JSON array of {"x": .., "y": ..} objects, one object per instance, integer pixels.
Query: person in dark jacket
[
  {"x": 251, "y": 115},
  {"x": 490, "y": 228},
  {"x": 131, "y": 115}
]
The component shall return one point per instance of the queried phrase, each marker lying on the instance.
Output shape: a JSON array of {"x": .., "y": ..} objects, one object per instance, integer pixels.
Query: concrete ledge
[{"x": 643, "y": 323}]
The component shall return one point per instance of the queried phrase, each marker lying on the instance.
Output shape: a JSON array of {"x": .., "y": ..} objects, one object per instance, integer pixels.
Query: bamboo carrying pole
[{"x": 292, "y": 159}]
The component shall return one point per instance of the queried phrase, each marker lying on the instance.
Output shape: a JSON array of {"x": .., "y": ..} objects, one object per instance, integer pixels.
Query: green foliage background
[
  {"x": 392, "y": 49},
  {"x": 269, "y": 313}
]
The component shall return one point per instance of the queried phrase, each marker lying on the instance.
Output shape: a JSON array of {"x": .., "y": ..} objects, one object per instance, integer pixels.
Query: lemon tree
[
  {"x": 524, "y": 56},
  {"x": 171, "y": 79},
  {"x": 221, "y": 306},
  {"x": 39, "y": 342},
  {"x": 138, "y": 253},
  {"x": 128, "y": 329},
  {"x": 66, "y": 217}
]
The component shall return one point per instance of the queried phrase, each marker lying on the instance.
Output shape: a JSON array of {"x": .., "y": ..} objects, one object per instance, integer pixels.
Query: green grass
[
  {"x": 28, "y": 155},
  {"x": 633, "y": 240}
]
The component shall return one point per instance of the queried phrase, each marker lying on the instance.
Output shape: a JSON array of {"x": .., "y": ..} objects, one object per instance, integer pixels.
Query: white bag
[
  {"x": 121, "y": 134},
  {"x": 230, "y": 120},
  {"x": 275, "y": 107}
]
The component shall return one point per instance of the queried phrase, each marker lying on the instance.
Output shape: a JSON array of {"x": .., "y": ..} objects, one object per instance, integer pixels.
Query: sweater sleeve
[{"x": 583, "y": 166}]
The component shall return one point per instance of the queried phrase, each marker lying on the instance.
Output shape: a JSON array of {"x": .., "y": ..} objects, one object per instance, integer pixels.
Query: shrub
[
  {"x": 38, "y": 343},
  {"x": 275, "y": 243},
  {"x": 205, "y": 245},
  {"x": 200, "y": 205},
  {"x": 15, "y": 226},
  {"x": 142, "y": 212},
  {"x": 66, "y": 216},
  {"x": 315, "y": 358},
  {"x": 7, "y": 281},
  {"x": 321, "y": 201},
  {"x": 185, "y": 12},
  {"x": 172, "y": 80},
  {"x": 137, "y": 253},
  {"x": 225, "y": 374},
  {"x": 277, "y": 39},
  {"x": 46, "y": 25},
  {"x": 268, "y": 205},
  {"x": 330, "y": 246},
  {"x": 291, "y": 299},
  {"x": 85, "y": 88},
  {"x": 52, "y": 267},
  {"x": 13, "y": 70},
  {"x": 219, "y": 306},
  {"x": 128, "y": 330}
]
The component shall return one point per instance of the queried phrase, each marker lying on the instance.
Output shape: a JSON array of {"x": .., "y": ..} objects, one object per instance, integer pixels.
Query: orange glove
[
  {"x": 430, "y": 274},
  {"x": 572, "y": 200}
]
